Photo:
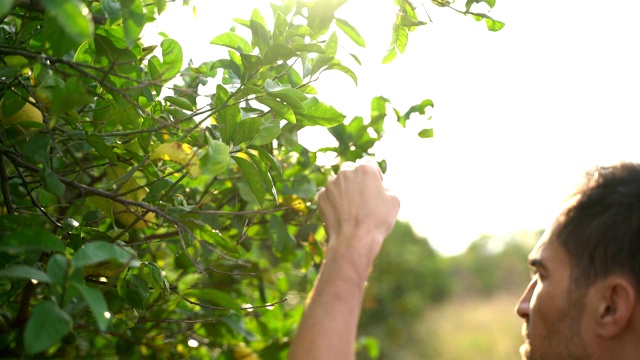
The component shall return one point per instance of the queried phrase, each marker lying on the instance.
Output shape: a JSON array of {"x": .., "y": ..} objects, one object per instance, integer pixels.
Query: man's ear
[{"x": 615, "y": 300}]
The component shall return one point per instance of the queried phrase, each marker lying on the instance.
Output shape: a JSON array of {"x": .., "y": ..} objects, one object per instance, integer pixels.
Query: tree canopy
[{"x": 143, "y": 218}]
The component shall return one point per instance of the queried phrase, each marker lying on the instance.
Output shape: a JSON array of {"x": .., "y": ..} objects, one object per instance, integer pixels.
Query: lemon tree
[{"x": 143, "y": 217}]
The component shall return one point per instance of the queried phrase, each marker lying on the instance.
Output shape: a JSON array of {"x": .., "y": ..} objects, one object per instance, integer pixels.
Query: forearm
[
  {"x": 358, "y": 213},
  {"x": 329, "y": 325}
]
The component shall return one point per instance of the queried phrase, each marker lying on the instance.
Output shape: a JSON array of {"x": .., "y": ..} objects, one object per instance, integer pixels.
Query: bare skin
[
  {"x": 563, "y": 322},
  {"x": 358, "y": 214}
]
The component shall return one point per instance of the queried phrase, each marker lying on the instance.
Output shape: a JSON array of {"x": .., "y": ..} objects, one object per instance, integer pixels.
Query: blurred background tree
[{"x": 420, "y": 305}]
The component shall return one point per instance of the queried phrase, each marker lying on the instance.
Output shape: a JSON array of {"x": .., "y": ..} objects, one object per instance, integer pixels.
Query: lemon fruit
[
  {"x": 125, "y": 215},
  {"x": 131, "y": 216},
  {"x": 242, "y": 352},
  {"x": 27, "y": 113}
]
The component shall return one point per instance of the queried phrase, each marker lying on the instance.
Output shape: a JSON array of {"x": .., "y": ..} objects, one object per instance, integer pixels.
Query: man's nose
[{"x": 522, "y": 308}]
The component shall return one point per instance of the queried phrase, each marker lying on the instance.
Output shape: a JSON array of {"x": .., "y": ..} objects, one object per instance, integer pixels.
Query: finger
[
  {"x": 348, "y": 165},
  {"x": 371, "y": 162}
]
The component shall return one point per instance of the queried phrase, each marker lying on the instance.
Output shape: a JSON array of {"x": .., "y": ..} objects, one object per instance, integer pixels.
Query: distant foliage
[
  {"x": 408, "y": 278},
  {"x": 491, "y": 265}
]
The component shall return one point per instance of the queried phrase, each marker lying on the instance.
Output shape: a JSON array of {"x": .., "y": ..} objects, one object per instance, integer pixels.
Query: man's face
[{"x": 549, "y": 308}]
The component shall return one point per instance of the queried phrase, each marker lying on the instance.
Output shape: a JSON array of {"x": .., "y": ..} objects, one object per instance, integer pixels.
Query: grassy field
[{"x": 471, "y": 329}]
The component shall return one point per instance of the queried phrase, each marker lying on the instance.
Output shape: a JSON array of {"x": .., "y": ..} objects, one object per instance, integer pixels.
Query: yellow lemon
[
  {"x": 242, "y": 352},
  {"x": 27, "y": 113},
  {"x": 131, "y": 216}
]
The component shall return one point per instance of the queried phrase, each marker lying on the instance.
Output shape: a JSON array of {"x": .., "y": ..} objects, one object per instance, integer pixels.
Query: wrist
[{"x": 352, "y": 254}]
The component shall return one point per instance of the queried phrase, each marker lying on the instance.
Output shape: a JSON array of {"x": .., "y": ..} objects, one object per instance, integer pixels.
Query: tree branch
[{"x": 4, "y": 183}]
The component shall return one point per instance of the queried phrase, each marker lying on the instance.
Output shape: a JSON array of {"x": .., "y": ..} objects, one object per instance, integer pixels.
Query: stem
[{"x": 4, "y": 183}]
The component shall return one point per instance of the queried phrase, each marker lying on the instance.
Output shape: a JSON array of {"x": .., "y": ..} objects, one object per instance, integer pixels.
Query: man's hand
[{"x": 358, "y": 214}]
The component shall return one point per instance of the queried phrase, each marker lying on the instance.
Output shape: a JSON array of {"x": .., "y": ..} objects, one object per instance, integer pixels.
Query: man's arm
[{"x": 358, "y": 214}]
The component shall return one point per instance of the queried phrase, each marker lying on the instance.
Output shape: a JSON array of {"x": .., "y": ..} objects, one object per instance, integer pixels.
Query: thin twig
[
  {"x": 34, "y": 201},
  {"x": 240, "y": 213},
  {"x": 4, "y": 182},
  {"x": 247, "y": 308}
]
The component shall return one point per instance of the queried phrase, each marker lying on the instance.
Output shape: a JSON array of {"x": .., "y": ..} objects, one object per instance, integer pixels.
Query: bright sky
[{"x": 519, "y": 114}]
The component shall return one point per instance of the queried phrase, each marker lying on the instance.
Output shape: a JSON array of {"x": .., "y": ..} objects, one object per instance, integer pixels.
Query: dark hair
[{"x": 601, "y": 230}]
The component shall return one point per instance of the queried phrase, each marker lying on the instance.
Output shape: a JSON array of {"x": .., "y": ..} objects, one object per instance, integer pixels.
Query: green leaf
[
  {"x": 5, "y": 7},
  {"x": 268, "y": 131},
  {"x": 300, "y": 31},
  {"x": 46, "y": 327},
  {"x": 494, "y": 25},
  {"x": 99, "y": 251},
  {"x": 233, "y": 41},
  {"x": 206, "y": 233},
  {"x": 155, "y": 191},
  {"x": 279, "y": 52},
  {"x": 101, "y": 147},
  {"x": 389, "y": 55},
  {"x": 251, "y": 64},
  {"x": 426, "y": 133},
  {"x": 5, "y": 285},
  {"x": 215, "y": 297},
  {"x": 228, "y": 116},
  {"x": 259, "y": 33},
  {"x": 161, "y": 6},
  {"x": 152, "y": 274},
  {"x": 246, "y": 130},
  {"x": 335, "y": 65},
  {"x": 253, "y": 178},
  {"x": 270, "y": 159},
  {"x": 97, "y": 304},
  {"x": 378, "y": 113},
  {"x": 153, "y": 66},
  {"x": 350, "y": 31},
  {"x": 279, "y": 27},
  {"x": 71, "y": 95},
  {"x": 318, "y": 113},
  {"x": 57, "y": 269},
  {"x": 283, "y": 242},
  {"x": 264, "y": 172},
  {"x": 36, "y": 150},
  {"x": 13, "y": 101},
  {"x": 247, "y": 91},
  {"x": 320, "y": 62},
  {"x": 171, "y": 58},
  {"x": 469, "y": 3},
  {"x": 279, "y": 108},
  {"x": 51, "y": 182},
  {"x": 401, "y": 38},
  {"x": 419, "y": 108},
  {"x": 290, "y": 96},
  {"x": 10, "y": 223},
  {"x": 308, "y": 48},
  {"x": 132, "y": 20},
  {"x": 112, "y": 51},
  {"x": 179, "y": 102},
  {"x": 134, "y": 290},
  {"x": 216, "y": 157},
  {"x": 72, "y": 16},
  {"x": 321, "y": 14},
  {"x": 30, "y": 239},
  {"x": 25, "y": 272}
]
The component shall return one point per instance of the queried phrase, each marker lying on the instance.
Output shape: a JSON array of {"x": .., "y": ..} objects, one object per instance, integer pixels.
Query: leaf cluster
[{"x": 144, "y": 217}]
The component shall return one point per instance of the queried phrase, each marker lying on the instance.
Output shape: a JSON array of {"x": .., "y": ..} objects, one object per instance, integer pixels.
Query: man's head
[
  {"x": 582, "y": 301},
  {"x": 600, "y": 231}
]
